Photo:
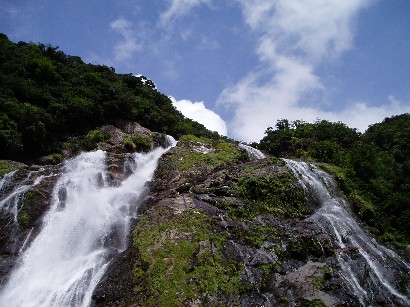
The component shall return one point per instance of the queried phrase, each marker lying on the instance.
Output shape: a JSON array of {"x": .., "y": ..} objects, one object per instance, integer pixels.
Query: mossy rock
[
  {"x": 314, "y": 303},
  {"x": 137, "y": 142},
  {"x": 7, "y": 166},
  {"x": 180, "y": 262},
  {"x": 196, "y": 152},
  {"x": 35, "y": 203},
  {"x": 24, "y": 219},
  {"x": 273, "y": 195},
  {"x": 54, "y": 158},
  {"x": 91, "y": 140}
]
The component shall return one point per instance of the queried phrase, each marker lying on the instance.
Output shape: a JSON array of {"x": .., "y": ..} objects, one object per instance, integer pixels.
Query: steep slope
[
  {"x": 372, "y": 168},
  {"x": 27, "y": 192},
  {"x": 47, "y": 96},
  {"x": 218, "y": 229}
]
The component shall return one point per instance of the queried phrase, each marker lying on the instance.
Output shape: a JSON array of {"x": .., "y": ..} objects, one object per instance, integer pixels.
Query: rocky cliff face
[
  {"x": 216, "y": 228},
  {"x": 219, "y": 229},
  {"x": 26, "y": 191},
  {"x": 24, "y": 196}
]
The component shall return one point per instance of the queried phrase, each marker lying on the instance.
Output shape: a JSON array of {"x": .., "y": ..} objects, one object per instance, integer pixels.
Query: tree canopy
[
  {"x": 46, "y": 96},
  {"x": 373, "y": 168}
]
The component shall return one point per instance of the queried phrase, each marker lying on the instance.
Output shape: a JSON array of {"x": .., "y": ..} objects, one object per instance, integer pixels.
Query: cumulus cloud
[
  {"x": 125, "y": 49},
  {"x": 294, "y": 37},
  {"x": 361, "y": 115},
  {"x": 179, "y": 8},
  {"x": 198, "y": 112}
]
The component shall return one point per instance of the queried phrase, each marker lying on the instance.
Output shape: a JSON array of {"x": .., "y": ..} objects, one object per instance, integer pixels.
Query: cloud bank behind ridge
[
  {"x": 294, "y": 38},
  {"x": 198, "y": 112}
]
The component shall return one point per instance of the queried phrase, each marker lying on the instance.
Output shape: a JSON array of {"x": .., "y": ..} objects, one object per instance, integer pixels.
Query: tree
[{"x": 10, "y": 138}]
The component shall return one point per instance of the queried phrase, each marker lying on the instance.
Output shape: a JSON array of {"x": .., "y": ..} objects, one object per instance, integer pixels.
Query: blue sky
[{"x": 238, "y": 66}]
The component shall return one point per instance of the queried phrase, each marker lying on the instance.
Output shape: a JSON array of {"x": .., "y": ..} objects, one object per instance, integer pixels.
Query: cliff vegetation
[
  {"x": 46, "y": 97},
  {"x": 373, "y": 168},
  {"x": 216, "y": 228}
]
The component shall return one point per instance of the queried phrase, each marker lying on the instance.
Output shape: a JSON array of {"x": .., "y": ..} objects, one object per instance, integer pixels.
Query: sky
[{"x": 237, "y": 66}]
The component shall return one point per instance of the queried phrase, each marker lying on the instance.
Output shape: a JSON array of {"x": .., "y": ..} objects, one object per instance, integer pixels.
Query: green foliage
[
  {"x": 24, "y": 218},
  {"x": 54, "y": 158},
  {"x": 136, "y": 142},
  {"x": 256, "y": 235},
  {"x": 322, "y": 140},
  {"x": 327, "y": 273},
  {"x": 8, "y": 166},
  {"x": 373, "y": 168},
  {"x": 274, "y": 195},
  {"x": 32, "y": 195},
  {"x": 47, "y": 96},
  {"x": 193, "y": 138},
  {"x": 10, "y": 137},
  {"x": 207, "y": 152},
  {"x": 93, "y": 137}
]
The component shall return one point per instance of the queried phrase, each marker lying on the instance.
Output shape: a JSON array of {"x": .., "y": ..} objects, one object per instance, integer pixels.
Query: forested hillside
[
  {"x": 373, "y": 168},
  {"x": 218, "y": 225},
  {"x": 47, "y": 96},
  {"x": 50, "y": 102}
]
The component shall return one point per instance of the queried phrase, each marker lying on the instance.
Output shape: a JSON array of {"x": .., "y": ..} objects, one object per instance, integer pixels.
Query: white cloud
[
  {"x": 294, "y": 38},
  {"x": 198, "y": 112},
  {"x": 179, "y": 8},
  {"x": 129, "y": 45},
  {"x": 270, "y": 104},
  {"x": 361, "y": 115},
  {"x": 307, "y": 28}
]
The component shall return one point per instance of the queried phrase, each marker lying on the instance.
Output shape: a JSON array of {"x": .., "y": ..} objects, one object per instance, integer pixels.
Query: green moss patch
[
  {"x": 202, "y": 151},
  {"x": 54, "y": 158},
  {"x": 314, "y": 303},
  {"x": 137, "y": 142},
  {"x": 273, "y": 195},
  {"x": 180, "y": 261},
  {"x": 24, "y": 218},
  {"x": 7, "y": 166}
]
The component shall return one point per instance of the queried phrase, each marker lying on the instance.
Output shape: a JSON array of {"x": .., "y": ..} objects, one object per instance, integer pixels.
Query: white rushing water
[
  {"x": 253, "y": 153},
  {"x": 87, "y": 224},
  {"x": 6, "y": 179},
  {"x": 372, "y": 271},
  {"x": 9, "y": 202}
]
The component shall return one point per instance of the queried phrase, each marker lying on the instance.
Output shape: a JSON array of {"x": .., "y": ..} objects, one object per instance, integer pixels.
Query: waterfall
[
  {"x": 253, "y": 153},
  {"x": 86, "y": 226},
  {"x": 9, "y": 202},
  {"x": 372, "y": 271}
]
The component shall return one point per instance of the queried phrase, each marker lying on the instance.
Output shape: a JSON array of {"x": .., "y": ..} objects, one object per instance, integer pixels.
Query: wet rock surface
[
  {"x": 26, "y": 191},
  {"x": 281, "y": 259},
  {"x": 216, "y": 228},
  {"x": 24, "y": 197}
]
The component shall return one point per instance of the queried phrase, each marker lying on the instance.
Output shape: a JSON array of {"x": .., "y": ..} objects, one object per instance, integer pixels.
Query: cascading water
[
  {"x": 13, "y": 189},
  {"x": 373, "y": 272},
  {"x": 9, "y": 202},
  {"x": 253, "y": 153},
  {"x": 87, "y": 224}
]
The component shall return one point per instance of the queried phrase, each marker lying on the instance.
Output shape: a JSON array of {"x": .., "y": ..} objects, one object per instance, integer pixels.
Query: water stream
[
  {"x": 10, "y": 201},
  {"x": 87, "y": 225},
  {"x": 253, "y": 153},
  {"x": 375, "y": 274}
]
